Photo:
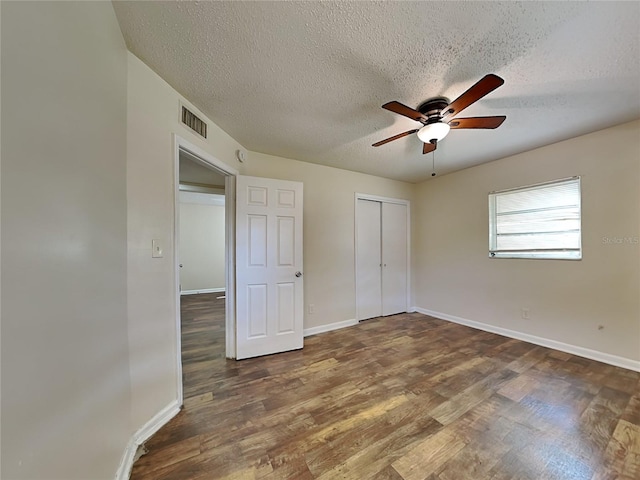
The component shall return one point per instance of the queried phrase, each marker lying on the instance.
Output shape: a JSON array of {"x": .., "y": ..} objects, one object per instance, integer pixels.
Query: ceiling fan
[{"x": 437, "y": 115}]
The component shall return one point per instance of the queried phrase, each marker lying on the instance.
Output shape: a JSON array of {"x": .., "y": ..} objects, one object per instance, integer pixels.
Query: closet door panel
[
  {"x": 368, "y": 260},
  {"x": 394, "y": 258}
]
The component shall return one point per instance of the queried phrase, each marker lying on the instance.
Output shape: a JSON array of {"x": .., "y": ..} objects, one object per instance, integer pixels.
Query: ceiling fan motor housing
[
  {"x": 434, "y": 129},
  {"x": 433, "y": 108}
]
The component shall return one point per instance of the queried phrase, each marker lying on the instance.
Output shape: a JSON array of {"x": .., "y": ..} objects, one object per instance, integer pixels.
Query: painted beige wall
[
  {"x": 329, "y": 225},
  {"x": 66, "y": 240},
  {"x": 152, "y": 118},
  {"x": 65, "y": 374},
  {"x": 202, "y": 234},
  {"x": 567, "y": 299}
]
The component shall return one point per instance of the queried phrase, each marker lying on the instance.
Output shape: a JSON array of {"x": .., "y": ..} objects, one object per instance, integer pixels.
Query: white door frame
[
  {"x": 376, "y": 198},
  {"x": 230, "y": 174}
]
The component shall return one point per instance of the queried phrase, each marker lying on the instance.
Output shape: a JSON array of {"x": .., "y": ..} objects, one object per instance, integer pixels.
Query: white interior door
[
  {"x": 269, "y": 285},
  {"x": 368, "y": 259},
  {"x": 394, "y": 258}
]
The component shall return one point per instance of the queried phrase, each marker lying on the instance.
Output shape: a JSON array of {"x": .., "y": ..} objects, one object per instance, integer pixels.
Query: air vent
[{"x": 193, "y": 122}]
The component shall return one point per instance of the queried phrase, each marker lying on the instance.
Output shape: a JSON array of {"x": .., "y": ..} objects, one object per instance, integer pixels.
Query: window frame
[{"x": 534, "y": 253}]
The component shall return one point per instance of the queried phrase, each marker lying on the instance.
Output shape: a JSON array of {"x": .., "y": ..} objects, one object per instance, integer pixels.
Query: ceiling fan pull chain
[{"x": 433, "y": 163}]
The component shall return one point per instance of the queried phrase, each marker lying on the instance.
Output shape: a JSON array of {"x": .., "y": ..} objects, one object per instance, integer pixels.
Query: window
[{"x": 539, "y": 221}]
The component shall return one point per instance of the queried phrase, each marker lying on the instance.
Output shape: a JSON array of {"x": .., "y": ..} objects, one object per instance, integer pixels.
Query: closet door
[
  {"x": 394, "y": 258},
  {"x": 368, "y": 259}
]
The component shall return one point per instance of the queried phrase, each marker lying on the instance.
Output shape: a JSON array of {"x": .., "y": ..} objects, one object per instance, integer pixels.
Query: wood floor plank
[
  {"x": 428, "y": 456},
  {"x": 407, "y": 425},
  {"x": 471, "y": 396},
  {"x": 394, "y": 398},
  {"x": 623, "y": 451},
  {"x": 473, "y": 461},
  {"x": 172, "y": 454},
  {"x": 632, "y": 413},
  {"x": 519, "y": 387}
]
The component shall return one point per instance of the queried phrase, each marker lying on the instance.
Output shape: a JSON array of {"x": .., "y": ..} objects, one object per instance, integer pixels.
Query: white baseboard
[
  {"x": 614, "y": 360},
  {"x": 142, "y": 435},
  {"x": 331, "y": 326},
  {"x": 126, "y": 464},
  {"x": 204, "y": 290}
]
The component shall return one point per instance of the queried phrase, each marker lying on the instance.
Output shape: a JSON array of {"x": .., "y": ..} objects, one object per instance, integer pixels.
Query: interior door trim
[{"x": 201, "y": 156}]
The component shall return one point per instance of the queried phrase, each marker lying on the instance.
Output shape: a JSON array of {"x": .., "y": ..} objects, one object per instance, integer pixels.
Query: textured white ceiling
[{"x": 306, "y": 80}]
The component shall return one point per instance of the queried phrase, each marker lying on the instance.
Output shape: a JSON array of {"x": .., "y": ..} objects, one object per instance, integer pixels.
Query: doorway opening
[{"x": 204, "y": 266}]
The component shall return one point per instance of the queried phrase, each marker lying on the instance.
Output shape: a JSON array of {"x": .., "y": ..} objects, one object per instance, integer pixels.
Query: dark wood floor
[{"x": 402, "y": 397}]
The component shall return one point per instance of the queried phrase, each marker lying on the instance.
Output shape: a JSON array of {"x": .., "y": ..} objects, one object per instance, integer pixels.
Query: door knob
[
  {"x": 180, "y": 265},
  {"x": 298, "y": 274}
]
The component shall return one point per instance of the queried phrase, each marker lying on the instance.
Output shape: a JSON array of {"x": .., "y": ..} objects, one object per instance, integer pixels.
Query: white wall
[
  {"x": 202, "y": 235},
  {"x": 567, "y": 300},
  {"x": 65, "y": 375}
]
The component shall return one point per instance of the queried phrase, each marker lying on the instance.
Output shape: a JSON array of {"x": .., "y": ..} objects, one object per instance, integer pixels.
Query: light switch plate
[{"x": 156, "y": 249}]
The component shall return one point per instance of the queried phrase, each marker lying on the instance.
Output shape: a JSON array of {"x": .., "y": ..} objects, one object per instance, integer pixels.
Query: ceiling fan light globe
[{"x": 433, "y": 131}]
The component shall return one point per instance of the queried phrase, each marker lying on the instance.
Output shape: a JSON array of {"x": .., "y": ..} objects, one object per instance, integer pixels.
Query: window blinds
[{"x": 539, "y": 221}]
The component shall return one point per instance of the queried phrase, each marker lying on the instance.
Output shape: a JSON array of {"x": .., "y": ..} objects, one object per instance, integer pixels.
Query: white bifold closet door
[
  {"x": 381, "y": 258},
  {"x": 369, "y": 259}
]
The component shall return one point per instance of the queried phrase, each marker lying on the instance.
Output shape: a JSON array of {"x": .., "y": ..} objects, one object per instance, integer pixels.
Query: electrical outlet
[
  {"x": 524, "y": 313},
  {"x": 311, "y": 309}
]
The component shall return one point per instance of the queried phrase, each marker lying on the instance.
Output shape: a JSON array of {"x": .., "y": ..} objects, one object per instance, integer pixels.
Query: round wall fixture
[{"x": 242, "y": 155}]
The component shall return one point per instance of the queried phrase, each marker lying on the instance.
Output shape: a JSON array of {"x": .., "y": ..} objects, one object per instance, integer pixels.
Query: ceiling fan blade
[
  {"x": 485, "y": 85},
  {"x": 428, "y": 147},
  {"x": 477, "y": 122},
  {"x": 400, "y": 109},
  {"x": 395, "y": 137}
]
